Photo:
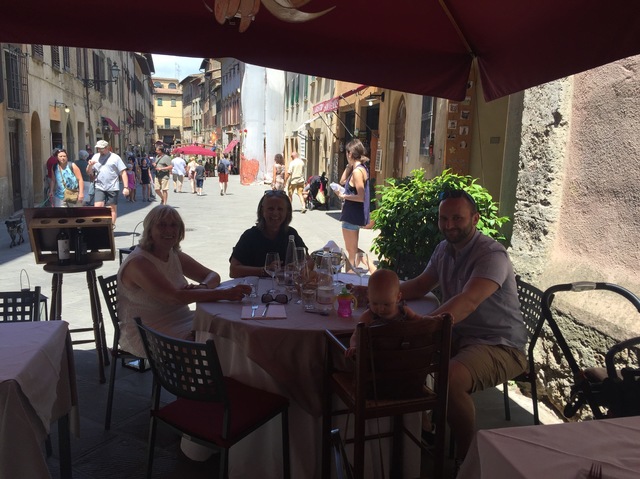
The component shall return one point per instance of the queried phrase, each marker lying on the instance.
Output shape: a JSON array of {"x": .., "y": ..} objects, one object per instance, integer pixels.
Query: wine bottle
[
  {"x": 81, "y": 247},
  {"x": 64, "y": 254}
]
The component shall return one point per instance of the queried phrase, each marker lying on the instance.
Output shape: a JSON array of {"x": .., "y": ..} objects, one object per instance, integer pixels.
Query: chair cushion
[{"x": 249, "y": 408}]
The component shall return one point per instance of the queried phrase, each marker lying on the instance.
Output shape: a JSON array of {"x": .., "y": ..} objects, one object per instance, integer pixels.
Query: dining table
[
  {"x": 566, "y": 450},
  {"x": 284, "y": 352},
  {"x": 37, "y": 387}
]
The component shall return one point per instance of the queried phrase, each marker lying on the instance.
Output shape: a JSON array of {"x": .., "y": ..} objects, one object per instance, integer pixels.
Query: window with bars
[
  {"x": 66, "y": 58},
  {"x": 37, "y": 51},
  {"x": 426, "y": 125},
  {"x": 17, "y": 80},
  {"x": 79, "y": 63},
  {"x": 55, "y": 57},
  {"x": 97, "y": 72}
]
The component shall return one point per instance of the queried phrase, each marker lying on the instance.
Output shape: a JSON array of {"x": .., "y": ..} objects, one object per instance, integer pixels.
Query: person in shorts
[
  {"x": 224, "y": 168},
  {"x": 479, "y": 290},
  {"x": 163, "y": 167},
  {"x": 295, "y": 179},
  {"x": 106, "y": 168}
]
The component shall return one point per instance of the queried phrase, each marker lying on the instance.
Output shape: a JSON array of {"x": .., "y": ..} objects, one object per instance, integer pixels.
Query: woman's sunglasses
[{"x": 278, "y": 298}]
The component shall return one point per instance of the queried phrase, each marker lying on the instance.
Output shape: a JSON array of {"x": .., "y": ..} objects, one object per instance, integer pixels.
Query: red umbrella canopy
[
  {"x": 194, "y": 150},
  {"x": 426, "y": 47}
]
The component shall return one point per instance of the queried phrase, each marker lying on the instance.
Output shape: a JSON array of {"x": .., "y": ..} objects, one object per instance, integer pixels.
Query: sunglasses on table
[{"x": 278, "y": 298}]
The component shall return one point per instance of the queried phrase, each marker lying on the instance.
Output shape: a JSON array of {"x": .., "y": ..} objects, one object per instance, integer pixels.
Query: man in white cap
[{"x": 105, "y": 167}]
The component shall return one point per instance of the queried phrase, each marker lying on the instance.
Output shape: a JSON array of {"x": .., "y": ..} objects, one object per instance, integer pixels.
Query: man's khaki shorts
[
  {"x": 490, "y": 365},
  {"x": 296, "y": 188},
  {"x": 162, "y": 185}
]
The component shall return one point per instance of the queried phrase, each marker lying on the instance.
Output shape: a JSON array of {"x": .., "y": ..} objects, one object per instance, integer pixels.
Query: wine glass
[
  {"x": 361, "y": 266},
  {"x": 337, "y": 262},
  {"x": 271, "y": 267}
]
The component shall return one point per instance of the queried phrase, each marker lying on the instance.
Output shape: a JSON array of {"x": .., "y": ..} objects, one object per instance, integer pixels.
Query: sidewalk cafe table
[
  {"x": 96, "y": 314},
  {"x": 556, "y": 450},
  {"x": 37, "y": 387},
  {"x": 286, "y": 356}
]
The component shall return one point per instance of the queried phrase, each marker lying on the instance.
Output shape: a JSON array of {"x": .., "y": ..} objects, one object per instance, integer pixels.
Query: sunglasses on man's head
[
  {"x": 446, "y": 194},
  {"x": 278, "y": 298}
]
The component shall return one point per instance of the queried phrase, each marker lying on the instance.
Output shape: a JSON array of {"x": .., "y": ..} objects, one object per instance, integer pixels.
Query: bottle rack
[{"x": 45, "y": 223}]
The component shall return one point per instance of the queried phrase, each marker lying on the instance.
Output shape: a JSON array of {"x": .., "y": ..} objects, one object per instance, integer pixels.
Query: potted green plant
[{"x": 407, "y": 217}]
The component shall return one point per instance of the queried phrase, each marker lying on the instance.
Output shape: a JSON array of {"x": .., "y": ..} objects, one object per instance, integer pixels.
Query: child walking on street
[{"x": 131, "y": 175}]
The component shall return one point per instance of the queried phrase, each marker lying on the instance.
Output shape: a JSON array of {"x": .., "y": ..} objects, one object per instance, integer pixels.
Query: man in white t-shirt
[
  {"x": 179, "y": 170},
  {"x": 295, "y": 179},
  {"x": 106, "y": 167}
]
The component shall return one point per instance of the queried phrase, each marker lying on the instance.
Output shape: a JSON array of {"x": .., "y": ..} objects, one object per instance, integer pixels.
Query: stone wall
[{"x": 577, "y": 205}]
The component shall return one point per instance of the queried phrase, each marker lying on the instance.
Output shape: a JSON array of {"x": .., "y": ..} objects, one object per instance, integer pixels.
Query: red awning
[
  {"x": 112, "y": 124},
  {"x": 333, "y": 104},
  {"x": 230, "y": 146}
]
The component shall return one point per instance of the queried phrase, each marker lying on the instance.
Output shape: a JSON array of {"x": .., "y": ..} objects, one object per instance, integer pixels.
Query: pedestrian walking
[
  {"x": 178, "y": 172},
  {"x": 224, "y": 168},
  {"x": 107, "y": 167},
  {"x": 295, "y": 179},
  {"x": 145, "y": 178},
  {"x": 199, "y": 177},
  {"x": 163, "y": 169}
]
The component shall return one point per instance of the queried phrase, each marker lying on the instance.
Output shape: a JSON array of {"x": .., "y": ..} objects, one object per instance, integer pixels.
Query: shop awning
[
  {"x": 310, "y": 120},
  {"x": 112, "y": 124},
  {"x": 333, "y": 104},
  {"x": 230, "y": 146}
]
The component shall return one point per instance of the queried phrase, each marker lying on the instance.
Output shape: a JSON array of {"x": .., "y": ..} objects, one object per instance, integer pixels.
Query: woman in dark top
[
  {"x": 145, "y": 178},
  {"x": 355, "y": 210},
  {"x": 271, "y": 233}
]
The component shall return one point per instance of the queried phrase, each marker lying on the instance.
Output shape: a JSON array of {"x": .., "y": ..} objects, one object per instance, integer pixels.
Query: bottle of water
[
  {"x": 325, "y": 293},
  {"x": 290, "y": 264}
]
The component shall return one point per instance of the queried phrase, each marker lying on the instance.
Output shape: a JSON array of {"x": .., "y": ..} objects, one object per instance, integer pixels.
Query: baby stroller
[
  {"x": 317, "y": 193},
  {"x": 608, "y": 392}
]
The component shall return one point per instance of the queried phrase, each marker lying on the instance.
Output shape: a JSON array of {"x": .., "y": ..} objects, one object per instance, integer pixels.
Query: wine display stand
[{"x": 44, "y": 224}]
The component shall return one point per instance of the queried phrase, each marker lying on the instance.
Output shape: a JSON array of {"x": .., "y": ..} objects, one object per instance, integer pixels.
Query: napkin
[{"x": 275, "y": 311}]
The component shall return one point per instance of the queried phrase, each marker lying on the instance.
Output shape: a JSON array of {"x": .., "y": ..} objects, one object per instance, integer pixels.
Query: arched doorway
[{"x": 398, "y": 139}]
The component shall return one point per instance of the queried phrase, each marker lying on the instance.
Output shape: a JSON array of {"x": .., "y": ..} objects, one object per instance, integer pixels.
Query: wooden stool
[{"x": 96, "y": 313}]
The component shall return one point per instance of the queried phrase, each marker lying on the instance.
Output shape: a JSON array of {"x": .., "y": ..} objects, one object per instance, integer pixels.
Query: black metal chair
[
  {"x": 607, "y": 391},
  {"x": 531, "y": 308},
  {"x": 210, "y": 409},
  {"x": 21, "y": 305},
  {"x": 391, "y": 366},
  {"x": 109, "y": 287}
]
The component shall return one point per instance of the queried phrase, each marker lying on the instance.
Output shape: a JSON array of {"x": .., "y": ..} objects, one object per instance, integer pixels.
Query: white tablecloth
[
  {"x": 284, "y": 356},
  {"x": 556, "y": 451},
  {"x": 37, "y": 386}
]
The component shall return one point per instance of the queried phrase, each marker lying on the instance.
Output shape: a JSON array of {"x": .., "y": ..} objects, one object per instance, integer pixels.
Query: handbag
[
  {"x": 69, "y": 195},
  {"x": 320, "y": 198}
]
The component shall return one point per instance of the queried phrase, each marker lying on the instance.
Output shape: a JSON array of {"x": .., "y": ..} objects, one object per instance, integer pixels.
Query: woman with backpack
[{"x": 224, "y": 167}]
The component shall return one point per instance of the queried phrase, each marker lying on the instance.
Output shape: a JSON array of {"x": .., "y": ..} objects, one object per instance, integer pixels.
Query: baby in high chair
[{"x": 385, "y": 304}]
